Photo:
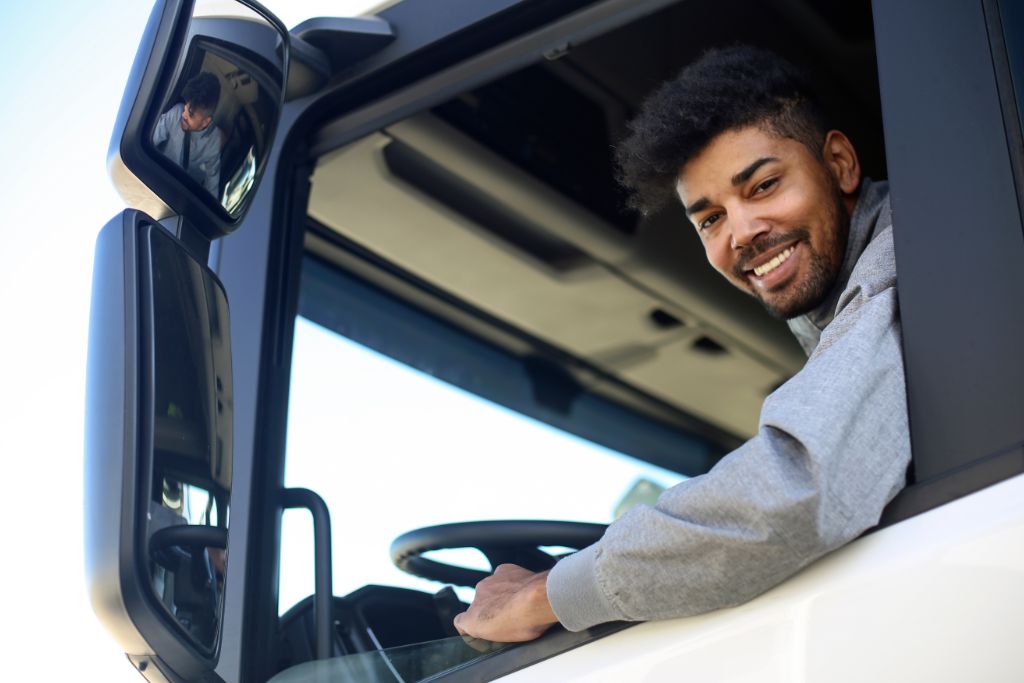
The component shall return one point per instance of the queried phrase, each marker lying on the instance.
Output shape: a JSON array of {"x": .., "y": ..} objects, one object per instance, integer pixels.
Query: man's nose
[{"x": 746, "y": 228}]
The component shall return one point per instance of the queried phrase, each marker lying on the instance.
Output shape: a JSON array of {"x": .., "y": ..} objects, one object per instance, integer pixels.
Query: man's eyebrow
[
  {"x": 738, "y": 179},
  {"x": 744, "y": 175},
  {"x": 698, "y": 205}
]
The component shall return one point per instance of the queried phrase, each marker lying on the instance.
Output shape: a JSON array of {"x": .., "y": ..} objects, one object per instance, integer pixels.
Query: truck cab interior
[{"x": 484, "y": 242}]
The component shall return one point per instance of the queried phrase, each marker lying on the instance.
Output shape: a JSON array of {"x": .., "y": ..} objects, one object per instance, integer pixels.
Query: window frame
[{"x": 959, "y": 444}]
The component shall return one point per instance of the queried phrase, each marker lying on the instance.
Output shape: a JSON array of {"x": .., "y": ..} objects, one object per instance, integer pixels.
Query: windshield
[{"x": 391, "y": 449}]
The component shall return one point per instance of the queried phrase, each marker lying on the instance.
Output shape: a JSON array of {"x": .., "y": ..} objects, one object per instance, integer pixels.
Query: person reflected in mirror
[
  {"x": 185, "y": 133},
  {"x": 778, "y": 201}
]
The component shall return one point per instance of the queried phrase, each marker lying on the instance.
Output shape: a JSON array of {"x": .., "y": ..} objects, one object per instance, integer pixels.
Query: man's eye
[
  {"x": 709, "y": 221},
  {"x": 767, "y": 184}
]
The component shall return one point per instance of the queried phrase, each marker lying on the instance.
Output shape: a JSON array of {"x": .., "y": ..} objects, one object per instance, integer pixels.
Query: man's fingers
[
  {"x": 507, "y": 569},
  {"x": 478, "y": 644}
]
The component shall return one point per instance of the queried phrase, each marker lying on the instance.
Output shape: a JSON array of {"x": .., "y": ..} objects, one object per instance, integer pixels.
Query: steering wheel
[{"x": 512, "y": 541}]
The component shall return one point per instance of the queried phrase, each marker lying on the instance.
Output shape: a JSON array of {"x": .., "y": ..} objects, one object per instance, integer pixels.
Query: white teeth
[{"x": 774, "y": 263}]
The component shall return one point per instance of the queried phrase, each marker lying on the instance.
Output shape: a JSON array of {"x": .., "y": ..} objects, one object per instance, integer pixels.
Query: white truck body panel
[{"x": 938, "y": 597}]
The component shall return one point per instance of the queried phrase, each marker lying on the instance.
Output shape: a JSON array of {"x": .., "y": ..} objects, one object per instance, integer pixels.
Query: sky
[{"x": 63, "y": 70}]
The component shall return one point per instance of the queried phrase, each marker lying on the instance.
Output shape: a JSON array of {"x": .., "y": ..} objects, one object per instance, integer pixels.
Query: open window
[{"x": 477, "y": 249}]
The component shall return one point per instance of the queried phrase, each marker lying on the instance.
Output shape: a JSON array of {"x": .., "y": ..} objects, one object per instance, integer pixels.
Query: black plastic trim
[
  {"x": 1008, "y": 58},
  {"x": 280, "y": 305},
  {"x": 345, "y": 40},
  {"x": 946, "y": 488},
  {"x": 488, "y": 63},
  {"x": 954, "y": 201}
]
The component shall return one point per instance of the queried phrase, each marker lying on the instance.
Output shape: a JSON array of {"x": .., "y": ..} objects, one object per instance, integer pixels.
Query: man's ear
[{"x": 841, "y": 159}]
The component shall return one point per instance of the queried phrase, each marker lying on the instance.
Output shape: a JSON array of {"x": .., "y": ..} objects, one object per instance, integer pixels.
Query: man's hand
[{"x": 511, "y": 606}]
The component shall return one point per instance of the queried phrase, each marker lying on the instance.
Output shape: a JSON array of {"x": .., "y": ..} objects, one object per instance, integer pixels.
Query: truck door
[{"x": 192, "y": 141}]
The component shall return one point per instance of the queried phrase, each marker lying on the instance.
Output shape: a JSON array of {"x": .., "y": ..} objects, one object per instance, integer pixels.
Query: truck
[{"x": 403, "y": 238}]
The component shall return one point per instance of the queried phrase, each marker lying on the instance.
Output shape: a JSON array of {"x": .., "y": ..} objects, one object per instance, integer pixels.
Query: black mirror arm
[
  {"x": 194, "y": 240},
  {"x": 345, "y": 41}
]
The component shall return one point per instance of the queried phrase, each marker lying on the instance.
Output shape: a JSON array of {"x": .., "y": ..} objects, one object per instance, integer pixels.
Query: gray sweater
[
  {"x": 832, "y": 448},
  {"x": 204, "y": 147}
]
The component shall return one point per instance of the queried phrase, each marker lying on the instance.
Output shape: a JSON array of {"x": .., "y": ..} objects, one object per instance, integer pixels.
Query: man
[
  {"x": 783, "y": 213},
  {"x": 185, "y": 135}
]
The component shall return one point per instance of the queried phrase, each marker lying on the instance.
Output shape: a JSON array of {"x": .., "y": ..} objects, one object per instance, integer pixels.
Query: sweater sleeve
[
  {"x": 831, "y": 450},
  {"x": 162, "y": 129}
]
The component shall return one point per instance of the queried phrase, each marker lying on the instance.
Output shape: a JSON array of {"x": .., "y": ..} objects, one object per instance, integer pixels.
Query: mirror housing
[
  {"x": 158, "y": 439},
  {"x": 229, "y": 137}
]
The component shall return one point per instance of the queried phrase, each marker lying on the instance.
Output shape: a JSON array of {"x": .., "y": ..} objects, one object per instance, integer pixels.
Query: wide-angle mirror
[
  {"x": 159, "y": 440},
  {"x": 216, "y": 122}
]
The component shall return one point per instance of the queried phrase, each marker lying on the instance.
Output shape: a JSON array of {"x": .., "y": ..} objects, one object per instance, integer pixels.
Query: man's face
[
  {"x": 194, "y": 120},
  {"x": 772, "y": 216}
]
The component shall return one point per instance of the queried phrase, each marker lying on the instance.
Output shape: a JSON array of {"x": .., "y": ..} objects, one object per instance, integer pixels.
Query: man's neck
[{"x": 864, "y": 217}]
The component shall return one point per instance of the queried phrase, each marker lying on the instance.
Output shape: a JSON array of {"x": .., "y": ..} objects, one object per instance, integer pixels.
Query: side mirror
[
  {"x": 193, "y": 136},
  {"x": 200, "y": 111},
  {"x": 159, "y": 439}
]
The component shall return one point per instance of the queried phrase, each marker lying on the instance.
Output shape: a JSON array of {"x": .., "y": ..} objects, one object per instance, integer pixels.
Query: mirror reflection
[
  {"x": 187, "y": 514},
  {"x": 186, "y": 134},
  {"x": 218, "y": 119}
]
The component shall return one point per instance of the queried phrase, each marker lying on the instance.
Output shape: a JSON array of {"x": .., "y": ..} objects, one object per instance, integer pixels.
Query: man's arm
[
  {"x": 831, "y": 451},
  {"x": 161, "y": 132}
]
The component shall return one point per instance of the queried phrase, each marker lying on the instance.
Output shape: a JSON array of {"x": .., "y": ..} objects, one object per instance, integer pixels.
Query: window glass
[
  {"x": 409, "y": 663},
  {"x": 1012, "y": 14},
  {"x": 392, "y": 449}
]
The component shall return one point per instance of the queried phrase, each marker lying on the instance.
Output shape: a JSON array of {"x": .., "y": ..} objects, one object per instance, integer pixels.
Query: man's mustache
[{"x": 765, "y": 244}]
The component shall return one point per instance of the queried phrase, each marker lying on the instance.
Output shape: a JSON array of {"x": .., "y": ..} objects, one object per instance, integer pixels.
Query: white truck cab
[{"x": 389, "y": 257}]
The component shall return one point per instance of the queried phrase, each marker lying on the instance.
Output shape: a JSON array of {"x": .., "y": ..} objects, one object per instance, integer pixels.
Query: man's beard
[{"x": 806, "y": 295}]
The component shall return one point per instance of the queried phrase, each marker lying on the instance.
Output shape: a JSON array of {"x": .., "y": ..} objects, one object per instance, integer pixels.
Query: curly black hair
[
  {"x": 726, "y": 88},
  {"x": 202, "y": 92}
]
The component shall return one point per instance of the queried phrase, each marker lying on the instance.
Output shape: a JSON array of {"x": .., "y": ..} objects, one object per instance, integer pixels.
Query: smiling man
[
  {"x": 777, "y": 227},
  {"x": 783, "y": 213}
]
